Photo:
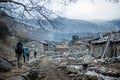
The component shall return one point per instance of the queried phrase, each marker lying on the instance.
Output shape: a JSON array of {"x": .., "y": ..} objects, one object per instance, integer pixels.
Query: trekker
[
  {"x": 35, "y": 54},
  {"x": 25, "y": 54},
  {"x": 28, "y": 54},
  {"x": 19, "y": 51}
]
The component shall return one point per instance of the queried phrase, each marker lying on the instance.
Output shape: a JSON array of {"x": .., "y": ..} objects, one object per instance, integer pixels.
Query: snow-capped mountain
[
  {"x": 62, "y": 28},
  {"x": 65, "y": 28}
]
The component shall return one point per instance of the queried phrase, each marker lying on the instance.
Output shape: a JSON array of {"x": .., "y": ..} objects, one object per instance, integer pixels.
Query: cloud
[
  {"x": 82, "y": 9},
  {"x": 92, "y": 10}
]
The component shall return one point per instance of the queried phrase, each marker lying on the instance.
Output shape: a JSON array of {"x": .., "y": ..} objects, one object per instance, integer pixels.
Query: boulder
[
  {"x": 5, "y": 65},
  {"x": 87, "y": 77},
  {"x": 62, "y": 65},
  {"x": 74, "y": 69},
  {"x": 33, "y": 74},
  {"x": 16, "y": 78}
]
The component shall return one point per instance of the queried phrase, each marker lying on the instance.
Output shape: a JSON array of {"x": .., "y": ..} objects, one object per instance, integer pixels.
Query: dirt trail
[
  {"x": 51, "y": 73},
  {"x": 45, "y": 61},
  {"x": 14, "y": 72},
  {"x": 47, "y": 70}
]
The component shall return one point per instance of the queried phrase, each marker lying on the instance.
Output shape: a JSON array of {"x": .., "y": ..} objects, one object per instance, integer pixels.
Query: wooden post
[{"x": 107, "y": 45}]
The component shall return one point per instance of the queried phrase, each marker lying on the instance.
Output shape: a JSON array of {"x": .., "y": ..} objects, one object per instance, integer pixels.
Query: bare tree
[
  {"x": 23, "y": 9},
  {"x": 40, "y": 9}
]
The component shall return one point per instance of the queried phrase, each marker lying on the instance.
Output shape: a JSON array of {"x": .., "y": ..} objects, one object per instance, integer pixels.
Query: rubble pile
[{"x": 106, "y": 71}]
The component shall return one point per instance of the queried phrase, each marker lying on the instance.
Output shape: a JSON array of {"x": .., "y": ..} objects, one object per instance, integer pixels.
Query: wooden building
[{"x": 106, "y": 46}]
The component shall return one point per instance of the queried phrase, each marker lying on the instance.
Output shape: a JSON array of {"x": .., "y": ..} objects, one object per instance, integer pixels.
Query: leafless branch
[
  {"x": 34, "y": 6},
  {"x": 39, "y": 22},
  {"x": 47, "y": 19}
]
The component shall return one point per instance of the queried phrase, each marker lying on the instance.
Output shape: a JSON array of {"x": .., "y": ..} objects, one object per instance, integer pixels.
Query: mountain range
[{"x": 63, "y": 28}]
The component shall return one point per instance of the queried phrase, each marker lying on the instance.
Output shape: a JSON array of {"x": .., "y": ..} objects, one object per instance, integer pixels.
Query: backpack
[
  {"x": 19, "y": 45},
  {"x": 18, "y": 48},
  {"x": 25, "y": 51}
]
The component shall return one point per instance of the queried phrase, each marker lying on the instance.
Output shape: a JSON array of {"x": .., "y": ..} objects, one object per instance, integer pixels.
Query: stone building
[{"x": 106, "y": 46}]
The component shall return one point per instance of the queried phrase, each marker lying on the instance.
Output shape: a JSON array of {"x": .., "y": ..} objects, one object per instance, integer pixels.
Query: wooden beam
[{"x": 107, "y": 45}]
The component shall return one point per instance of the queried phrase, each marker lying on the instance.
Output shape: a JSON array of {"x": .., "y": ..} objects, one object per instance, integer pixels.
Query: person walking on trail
[
  {"x": 28, "y": 54},
  {"x": 19, "y": 51},
  {"x": 35, "y": 54},
  {"x": 25, "y": 54}
]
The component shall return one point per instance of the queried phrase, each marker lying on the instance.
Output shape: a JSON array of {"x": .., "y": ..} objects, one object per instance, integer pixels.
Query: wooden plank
[{"x": 107, "y": 45}]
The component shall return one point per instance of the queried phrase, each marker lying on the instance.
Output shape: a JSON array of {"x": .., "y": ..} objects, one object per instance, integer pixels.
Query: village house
[
  {"x": 48, "y": 46},
  {"x": 42, "y": 47},
  {"x": 107, "y": 45},
  {"x": 45, "y": 45},
  {"x": 61, "y": 46},
  {"x": 35, "y": 45}
]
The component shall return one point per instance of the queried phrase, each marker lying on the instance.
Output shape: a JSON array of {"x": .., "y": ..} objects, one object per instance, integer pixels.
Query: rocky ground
[
  {"x": 70, "y": 65},
  {"x": 42, "y": 69},
  {"x": 56, "y": 67}
]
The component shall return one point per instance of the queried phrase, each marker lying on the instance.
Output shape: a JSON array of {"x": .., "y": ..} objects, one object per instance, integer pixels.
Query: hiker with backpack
[
  {"x": 35, "y": 54},
  {"x": 19, "y": 51},
  {"x": 25, "y": 54}
]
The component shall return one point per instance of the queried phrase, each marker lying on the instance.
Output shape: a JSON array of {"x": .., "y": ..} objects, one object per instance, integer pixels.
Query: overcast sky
[
  {"x": 84, "y": 9},
  {"x": 90, "y": 10}
]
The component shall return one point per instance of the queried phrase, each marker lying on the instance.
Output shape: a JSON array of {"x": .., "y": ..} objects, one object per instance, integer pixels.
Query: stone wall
[{"x": 99, "y": 48}]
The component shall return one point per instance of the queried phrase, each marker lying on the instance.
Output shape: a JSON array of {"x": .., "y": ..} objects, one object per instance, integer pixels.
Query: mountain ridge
[{"x": 65, "y": 28}]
